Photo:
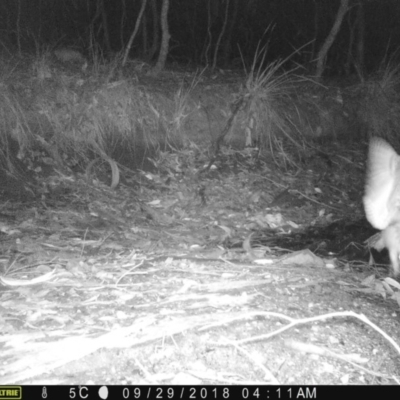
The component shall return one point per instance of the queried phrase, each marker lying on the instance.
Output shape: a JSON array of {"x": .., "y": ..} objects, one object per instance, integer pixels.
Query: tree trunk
[
  {"x": 122, "y": 23},
  {"x": 360, "y": 39},
  {"x": 226, "y": 53},
  {"x": 208, "y": 42},
  {"x": 162, "y": 56},
  {"x": 323, "y": 52},
  {"x": 129, "y": 45},
  {"x": 221, "y": 34},
  {"x": 105, "y": 28},
  {"x": 155, "y": 44}
]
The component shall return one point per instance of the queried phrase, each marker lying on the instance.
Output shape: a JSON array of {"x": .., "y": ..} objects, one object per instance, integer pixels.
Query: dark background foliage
[{"x": 286, "y": 26}]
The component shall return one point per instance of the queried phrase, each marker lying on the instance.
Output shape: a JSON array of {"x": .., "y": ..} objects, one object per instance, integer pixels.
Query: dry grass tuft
[{"x": 267, "y": 89}]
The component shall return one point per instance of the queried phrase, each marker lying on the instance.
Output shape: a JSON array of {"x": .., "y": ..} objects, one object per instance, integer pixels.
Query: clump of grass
[
  {"x": 267, "y": 92},
  {"x": 181, "y": 111}
]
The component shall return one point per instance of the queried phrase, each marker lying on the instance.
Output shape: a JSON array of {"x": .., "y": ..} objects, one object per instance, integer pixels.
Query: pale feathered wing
[{"x": 382, "y": 188}]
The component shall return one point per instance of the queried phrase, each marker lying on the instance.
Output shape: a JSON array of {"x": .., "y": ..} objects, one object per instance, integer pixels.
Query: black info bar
[{"x": 193, "y": 392}]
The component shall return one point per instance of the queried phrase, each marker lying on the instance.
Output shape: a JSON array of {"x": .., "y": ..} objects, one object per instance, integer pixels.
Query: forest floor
[{"x": 245, "y": 274}]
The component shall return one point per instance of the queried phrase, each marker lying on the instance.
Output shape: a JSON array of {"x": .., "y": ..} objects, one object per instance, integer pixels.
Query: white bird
[{"x": 382, "y": 197}]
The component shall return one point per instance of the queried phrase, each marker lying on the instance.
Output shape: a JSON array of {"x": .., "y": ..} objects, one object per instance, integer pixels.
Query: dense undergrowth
[{"x": 58, "y": 114}]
